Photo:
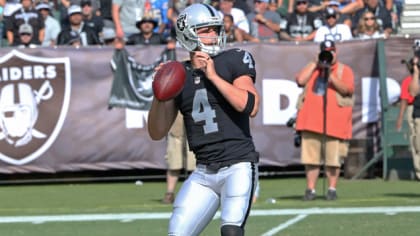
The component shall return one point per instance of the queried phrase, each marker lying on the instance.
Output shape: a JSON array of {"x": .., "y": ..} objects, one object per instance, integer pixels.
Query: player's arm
[
  {"x": 239, "y": 94},
  {"x": 162, "y": 115}
]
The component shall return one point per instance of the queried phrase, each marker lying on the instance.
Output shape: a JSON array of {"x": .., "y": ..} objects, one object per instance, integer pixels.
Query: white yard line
[
  {"x": 147, "y": 216},
  {"x": 286, "y": 224}
]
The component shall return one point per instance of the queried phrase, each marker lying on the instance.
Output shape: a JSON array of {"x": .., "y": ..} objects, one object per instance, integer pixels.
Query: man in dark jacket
[{"x": 87, "y": 35}]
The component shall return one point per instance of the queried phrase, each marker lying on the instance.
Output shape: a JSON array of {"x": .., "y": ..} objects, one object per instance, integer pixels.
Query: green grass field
[{"x": 364, "y": 207}]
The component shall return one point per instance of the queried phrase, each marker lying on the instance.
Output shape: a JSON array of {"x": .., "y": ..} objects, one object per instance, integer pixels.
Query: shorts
[
  {"x": 178, "y": 156},
  {"x": 177, "y": 149},
  {"x": 335, "y": 149}
]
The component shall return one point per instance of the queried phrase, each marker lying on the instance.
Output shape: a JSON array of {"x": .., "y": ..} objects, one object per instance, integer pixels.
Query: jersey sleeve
[{"x": 242, "y": 63}]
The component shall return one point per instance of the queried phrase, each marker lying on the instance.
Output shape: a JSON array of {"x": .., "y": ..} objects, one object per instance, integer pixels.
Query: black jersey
[
  {"x": 301, "y": 25},
  {"x": 217, "y": 133}
]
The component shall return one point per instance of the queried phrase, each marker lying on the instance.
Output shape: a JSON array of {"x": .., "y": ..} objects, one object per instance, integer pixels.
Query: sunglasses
[
  {"x": 370, "y": 18},
  {"x": 301, "y": 3},
  {"x": 25, "y": 34},
  {"x": 330, "y": 16}
]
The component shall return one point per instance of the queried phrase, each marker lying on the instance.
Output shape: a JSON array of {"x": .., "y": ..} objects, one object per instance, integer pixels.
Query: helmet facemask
[
  {"x": 198, "y": 16},
  {"x": 219, "y": 42}
]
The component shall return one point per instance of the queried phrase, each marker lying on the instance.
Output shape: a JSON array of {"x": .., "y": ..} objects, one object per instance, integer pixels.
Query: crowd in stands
[{"x": 33, "y": 23}]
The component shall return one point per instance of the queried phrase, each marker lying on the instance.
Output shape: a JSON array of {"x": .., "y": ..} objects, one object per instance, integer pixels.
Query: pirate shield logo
[
  {"x": 181, "y": 22},
  {"x": 34, "y": 99}
]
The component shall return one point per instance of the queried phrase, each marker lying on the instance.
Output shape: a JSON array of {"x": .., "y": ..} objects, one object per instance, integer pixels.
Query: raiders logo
[
  {"x": 181, "y": 22},
  {"x": 34, "y": 99}
]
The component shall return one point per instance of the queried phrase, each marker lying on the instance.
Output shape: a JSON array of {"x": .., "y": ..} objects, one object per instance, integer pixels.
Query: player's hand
[{"x": 203, "y": 61}]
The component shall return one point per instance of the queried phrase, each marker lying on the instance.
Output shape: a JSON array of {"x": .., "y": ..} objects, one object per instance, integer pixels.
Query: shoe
[
  {"x": 331, "y": 195},
  {"x": 168, "y": 198},
  {"x": 309, "y": 195}
]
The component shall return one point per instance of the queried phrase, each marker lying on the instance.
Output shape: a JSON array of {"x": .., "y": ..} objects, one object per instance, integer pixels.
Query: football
[{"x": 168, "y": 80}]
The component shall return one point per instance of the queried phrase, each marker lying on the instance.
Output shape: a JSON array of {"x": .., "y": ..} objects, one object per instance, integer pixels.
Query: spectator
[
  {"x": 10, "y": 6},
  {"x": 52, "y": 26},
  {"x": 332, "y": 30},
  {"x": 327, "y": 99},
  {"x": 96, "y": 23},
  {"x": 301, "y": 25},
  {"x": 396, "y": 12},
  {"x": 243, "y": 5},
  {"x": 414, "y": 90},
  {"x": 105, "y": 11},
  {"x": 383, "y": 17},
  {"x": 25, "y": 15},
  {"x": 25, "y": 34},
  {"x": 406, "y": 110},
  {"x": 146, "y": 35},
  {"x": 87, "y": 35},
  {"x": 177, "y": 157},
  {"x": 125, "y": 13},
  {"x": 239, "y": 18},
  {"x": 342, "y": 18},
  {"x": 234, "y": 34},
  {"x": 368, "y": 27},
  {"x": 65, "y": 4},
  {"x": 74, "y": 39},
  {"x": 352, "y": 6},
  {"x": 159, "y": 10},
  {"x": 108, "y": 36},
  {"x": 264, "y": 24}
]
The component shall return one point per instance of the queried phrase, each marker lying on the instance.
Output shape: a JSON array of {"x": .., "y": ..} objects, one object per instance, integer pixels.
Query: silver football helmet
[{"x": 197, "y": 16}]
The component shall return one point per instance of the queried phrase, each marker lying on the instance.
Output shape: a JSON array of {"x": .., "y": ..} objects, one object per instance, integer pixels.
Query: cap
[
  {"x": 147, "y": 19},
  {"x": 330, "y": 11},
  {"x": 85, "y": 2},
  {"x": 42, "y": 5},
  {"x": 74, "y": 36},
  {"x": 73, "y": 9},
  {"x": 25, "y": 29},
  {"x": 333, "y": 3},
  {"x": 266, "y": 1},
  {"x": 327, "y": 45},
  {"x": 108, "y": 33}
]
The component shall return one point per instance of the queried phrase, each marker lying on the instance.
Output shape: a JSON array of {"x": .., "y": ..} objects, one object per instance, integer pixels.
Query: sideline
[
  {"x": 124, "y": 217},
  {"x": 286, "y": 224}
]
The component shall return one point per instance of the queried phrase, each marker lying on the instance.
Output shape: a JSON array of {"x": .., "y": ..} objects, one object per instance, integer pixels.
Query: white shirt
[
  {"x": 52, "y": 29},
  {"x": 239, "y": 19},
  {"x": 339, "y": 32}
]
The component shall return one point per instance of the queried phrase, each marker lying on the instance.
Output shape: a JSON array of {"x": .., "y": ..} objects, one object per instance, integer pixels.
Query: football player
[{"x": 217, "y": 101}]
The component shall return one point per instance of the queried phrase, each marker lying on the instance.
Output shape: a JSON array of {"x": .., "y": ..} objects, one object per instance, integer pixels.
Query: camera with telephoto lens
[
  {"x": 410, "y": 63},
  {"x": 297, "y": 138},
  {"x": 325, "y": 57}
]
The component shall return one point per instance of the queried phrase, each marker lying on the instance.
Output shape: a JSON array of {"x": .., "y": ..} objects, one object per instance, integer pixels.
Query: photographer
[
  {"x": 414, "y": 89},
  {"x": 324, "y": 129}
]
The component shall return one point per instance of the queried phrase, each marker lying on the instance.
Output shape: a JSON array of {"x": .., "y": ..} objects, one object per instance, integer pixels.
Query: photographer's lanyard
[{"x": 335, "y": 37}]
